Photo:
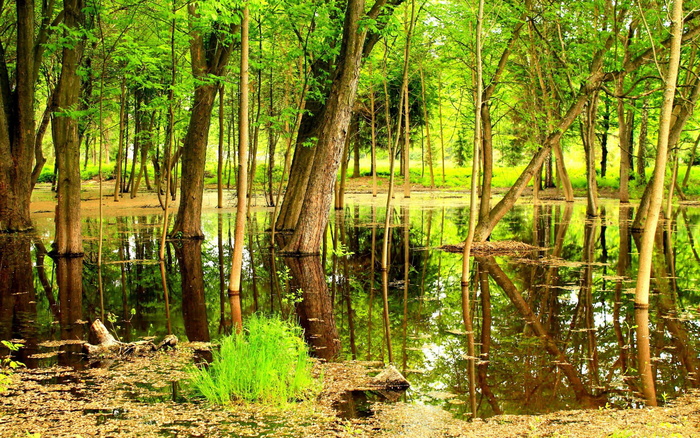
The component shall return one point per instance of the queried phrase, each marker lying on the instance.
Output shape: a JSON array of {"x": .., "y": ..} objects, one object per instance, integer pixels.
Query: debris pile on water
[{"x": 499, "y": 247}]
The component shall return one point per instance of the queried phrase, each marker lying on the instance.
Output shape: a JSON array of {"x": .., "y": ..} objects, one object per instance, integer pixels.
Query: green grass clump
[{"x": 267, "y": 362}]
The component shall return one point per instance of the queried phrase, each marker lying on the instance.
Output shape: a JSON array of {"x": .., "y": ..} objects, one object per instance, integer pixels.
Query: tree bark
[
  {"x": 641, "y": 299},
  {"x": 208, "y": 58},
  {"x": 624, "y": 139},
  {"x": 17, "y": 126},
  {"x": 331, "y": 135},
  {"x": 589, "y": 140},
  {"x": 487, "y": 223},
  {"x": 642, "y": 144},
  {"x": 234, "y": 288},
  {"x": 69, "y": 240},
  {"x": 194, "y": 311}
]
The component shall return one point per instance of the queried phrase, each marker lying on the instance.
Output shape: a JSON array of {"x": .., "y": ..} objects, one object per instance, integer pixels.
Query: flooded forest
[{"x": 349, "y": 218}]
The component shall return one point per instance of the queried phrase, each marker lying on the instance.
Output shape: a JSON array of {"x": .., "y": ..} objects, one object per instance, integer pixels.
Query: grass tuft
[{"x": 267, "y": 362}]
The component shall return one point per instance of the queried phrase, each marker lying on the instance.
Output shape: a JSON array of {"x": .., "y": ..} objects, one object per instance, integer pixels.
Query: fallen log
[{"x": 102, "y": 343}]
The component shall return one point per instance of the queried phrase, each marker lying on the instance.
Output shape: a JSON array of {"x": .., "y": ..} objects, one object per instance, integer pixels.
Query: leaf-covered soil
[{"x": 147, "y": 397}]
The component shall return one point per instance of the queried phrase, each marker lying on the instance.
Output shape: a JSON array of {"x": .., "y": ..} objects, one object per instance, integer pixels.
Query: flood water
[{"x": 569, "y": 301}]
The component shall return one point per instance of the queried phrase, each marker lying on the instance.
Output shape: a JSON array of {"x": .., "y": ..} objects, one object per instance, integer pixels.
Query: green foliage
[
  {"x": 8, "y": 365},
  {"x": 267, "y": 362}
]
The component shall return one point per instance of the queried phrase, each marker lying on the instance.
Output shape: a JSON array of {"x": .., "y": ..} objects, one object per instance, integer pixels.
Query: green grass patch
[{"x": 267, "y": 362}]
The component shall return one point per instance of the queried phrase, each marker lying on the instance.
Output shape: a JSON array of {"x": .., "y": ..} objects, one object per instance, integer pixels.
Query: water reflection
[
  {"x": 69, "y": 277},
  {"x": 554, "y": 328},
  {"x": 194, "y": 309},
  {"x": 18, "y": 310},
  {"x": 315, "y": 309}
]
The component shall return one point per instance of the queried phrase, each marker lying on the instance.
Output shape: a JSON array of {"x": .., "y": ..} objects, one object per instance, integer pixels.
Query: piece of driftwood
[{"x": 102, "y": 343}]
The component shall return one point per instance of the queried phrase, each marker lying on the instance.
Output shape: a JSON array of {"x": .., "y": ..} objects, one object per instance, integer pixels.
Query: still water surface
[{"x": 568, "y": 302}]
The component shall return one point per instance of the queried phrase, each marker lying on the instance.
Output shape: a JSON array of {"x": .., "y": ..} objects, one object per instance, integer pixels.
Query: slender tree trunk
[
  {"x": 642, "y": 144},
  {"x": 562, "y": 173},
  {"x": 442, "y": 132},
  {"x": 220, "y": 155},
  {"x": 624, "y": 139},
  {"x": 641, "y": 300},
  {"x": 589, "y": 140},
  {"x": 429, "y": 146},
  {"x": 604, "y": 140},
  {"x": 473, "y": 211},
  {"x": 120, "y": 147},
  {"x": 486, "y": 224},
  {"x": 691, "y": 163},
  {"x": 234, "y": 289},
  {"x": 374, "y": 139},
  {"x": 406, "y": 154}
]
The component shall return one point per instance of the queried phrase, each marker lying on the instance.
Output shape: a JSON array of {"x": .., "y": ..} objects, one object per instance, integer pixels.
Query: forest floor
[{"x": 147, "y": 397}]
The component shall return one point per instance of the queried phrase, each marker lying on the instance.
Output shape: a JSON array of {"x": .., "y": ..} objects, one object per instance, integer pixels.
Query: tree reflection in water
[{"x": 553, "y": 328}]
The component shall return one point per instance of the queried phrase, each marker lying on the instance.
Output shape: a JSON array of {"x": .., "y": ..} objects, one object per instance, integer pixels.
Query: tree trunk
[
  {"x": 406, "y": 152},
  {"x": 604, "y": 140},
  {"x": 17, "y": 126},
  {"x": 315, "y": 310},
  {"x": 642, "y": 144},
  {"x": 234, "y": 288},
  {"x": 208, "y": 58},
  {"x": 486, "y": 224},
  {"x": 426, "y": 120},
  {"x": 120, "y": 147},
  {"x": 331, "y": 136},
  {"x": 641, "y": 299},
  {"x": 65, "y": 136},
  {"x": 302, "y": 164},
  {"x": 220, "y": 155},
  {"x": 589, "y": 140},
  {"x": 624, "y": 139},
  {"x": 194, "y": 311}
]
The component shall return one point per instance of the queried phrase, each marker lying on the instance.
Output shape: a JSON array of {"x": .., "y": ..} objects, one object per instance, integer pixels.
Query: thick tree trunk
[
  {"x": 331, "y": 137},
  {"x": 315, "y": 311},
  {"x": 302, "y": 163},
  {"x": 17, "y": 127},
  {"x": 188, "y": 222},
  {"x": 69, "y": 240},
  {"x": 208, "y": 58}
]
